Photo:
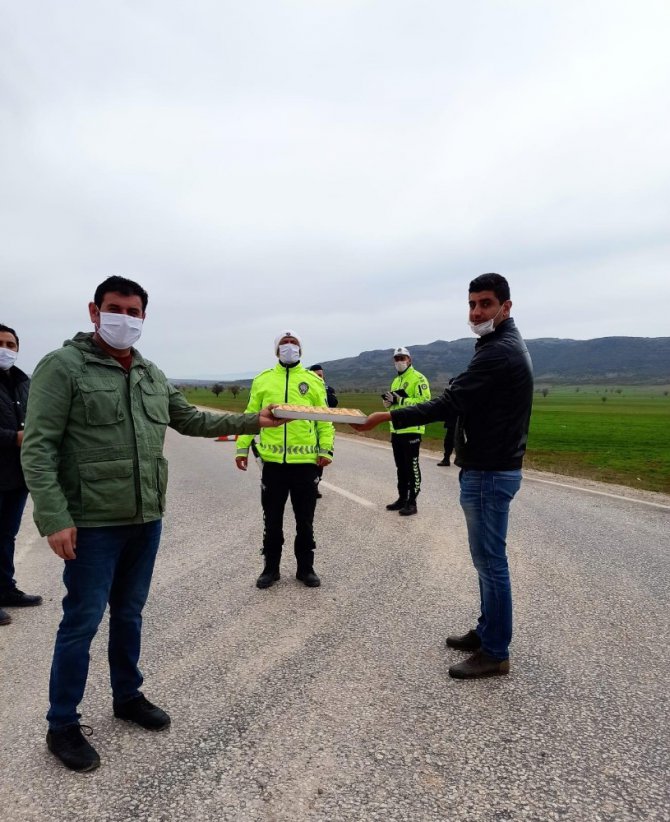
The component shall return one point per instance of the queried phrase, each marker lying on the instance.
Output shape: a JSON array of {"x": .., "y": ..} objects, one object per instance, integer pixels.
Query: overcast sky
[{"x": 340, "y": 167}]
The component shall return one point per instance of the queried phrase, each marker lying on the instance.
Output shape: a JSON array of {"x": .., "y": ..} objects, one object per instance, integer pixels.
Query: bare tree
[
  {"x": 217, "y": 388},
  {"x": 544, "y": 392},
  {"x": 234, "y": 390}
]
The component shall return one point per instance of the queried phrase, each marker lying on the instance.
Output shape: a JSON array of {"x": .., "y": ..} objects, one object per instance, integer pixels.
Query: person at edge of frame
[
  {"x": 291, "y": 459},
  {"x": 93, "y": 461},
  {"x": 14, "y": 385},
  {"x": 331, "y": 402},
  {"x": 492, "y": 399},
  {"x": 408, "y": 388}
]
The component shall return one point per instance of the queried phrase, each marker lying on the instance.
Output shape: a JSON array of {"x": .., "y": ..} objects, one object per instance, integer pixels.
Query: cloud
[{"x": 343, "y": 167}]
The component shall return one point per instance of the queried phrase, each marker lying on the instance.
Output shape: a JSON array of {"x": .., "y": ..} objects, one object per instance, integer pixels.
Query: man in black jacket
[
  {"x": 13, "y": 492},
  {"x": 492, "y": 400}
]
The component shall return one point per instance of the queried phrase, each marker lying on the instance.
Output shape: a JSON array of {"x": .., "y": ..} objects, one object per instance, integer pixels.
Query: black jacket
[
  {"x": 331, "y": 397},
  {"x": 492, "y": 400},
  {"x": 14, "y": 386}
]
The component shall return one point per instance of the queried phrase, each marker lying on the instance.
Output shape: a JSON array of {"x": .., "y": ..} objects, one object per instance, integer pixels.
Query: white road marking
[
  {"x": 526, "y": 478},
  {"x": 599, "y": 493},
  {"x": 364, "y": 502}
]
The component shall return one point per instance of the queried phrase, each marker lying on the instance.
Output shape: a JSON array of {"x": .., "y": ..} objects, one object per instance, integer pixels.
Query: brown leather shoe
[
  {"x": 468, "y": 642},
  {"x": 479, "y": 665}
]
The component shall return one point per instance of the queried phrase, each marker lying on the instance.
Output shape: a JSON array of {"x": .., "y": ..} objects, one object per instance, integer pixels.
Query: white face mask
[
  {"x": 119, "y": 331},
  {"x": 289, "y": 353},
  {"x": 7, "y": 358},
  {"x": 401, "y": 366},
  {"x": 482, "y": 329}
]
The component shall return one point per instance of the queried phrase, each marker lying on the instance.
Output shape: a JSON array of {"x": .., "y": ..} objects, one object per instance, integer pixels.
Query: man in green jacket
[
  {"x": 93, "y": 461},
  {"x": 291, "y": 458},
  {"x": 408, "y": 388}
]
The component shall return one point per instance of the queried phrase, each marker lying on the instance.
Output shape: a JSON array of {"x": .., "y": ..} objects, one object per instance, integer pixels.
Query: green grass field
[{"x": 623, "y": 438}]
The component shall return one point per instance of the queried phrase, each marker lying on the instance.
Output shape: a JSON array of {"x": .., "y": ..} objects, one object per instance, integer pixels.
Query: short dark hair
[
  {"x": 122, "y": 286},
  {"x": 491, "y": 282},
  {"x": 11, "y": 331},
  {"x": 316, "y": 367}
]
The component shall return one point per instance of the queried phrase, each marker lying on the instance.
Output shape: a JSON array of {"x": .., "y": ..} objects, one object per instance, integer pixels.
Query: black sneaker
[
  {"x": 5, "y": 618},
  {"x": 73, "y": 749},
  {"x": 142, "y": 712},
  {"x": 444, "y": 462},
  {"x": 17, "y": 599},
  {"x": 308, "y": 577},
  {"x": 397, "y": 505},
  {"x": 408, "y": 509}
]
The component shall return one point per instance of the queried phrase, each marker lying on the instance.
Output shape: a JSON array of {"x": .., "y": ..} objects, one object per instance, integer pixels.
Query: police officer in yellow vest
[
  {"x": 290, "y": 460},
  {"x": 408, "y": 388}
]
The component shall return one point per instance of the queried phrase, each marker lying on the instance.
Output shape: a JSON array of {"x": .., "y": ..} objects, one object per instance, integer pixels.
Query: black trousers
[
  {"x": 449, "y": 441},
  {"x": 279, "y": 481},
  {"x": 406, "y": 455}
]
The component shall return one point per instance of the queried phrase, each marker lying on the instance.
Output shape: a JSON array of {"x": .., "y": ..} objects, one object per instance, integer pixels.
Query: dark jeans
[
  {"x": 406, "y": 455},
  {"x": 300, "y": 482},
  {"x": 12, "y": 504},
  {"x": 485, "y": 499},
  {"x": 113, "y": 565}
]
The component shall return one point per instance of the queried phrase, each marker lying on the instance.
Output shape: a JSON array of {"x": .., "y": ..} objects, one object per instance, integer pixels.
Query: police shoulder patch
[{"x": 303, "y": 388}]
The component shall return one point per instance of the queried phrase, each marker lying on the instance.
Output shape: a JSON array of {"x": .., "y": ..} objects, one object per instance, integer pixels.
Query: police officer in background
[
  {"x": 291, "y": 459},
  {"x": 409, "y": 388}
]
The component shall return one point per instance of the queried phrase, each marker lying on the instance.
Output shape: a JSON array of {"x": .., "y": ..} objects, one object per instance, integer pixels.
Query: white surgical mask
[
  {"x": 7, "y": 358},
  {"x": 401, "y": 366},
  {"x": 289, "y": 353},
  {"x": 482, "y": 329},
  {"x": 119, "y": 331}
]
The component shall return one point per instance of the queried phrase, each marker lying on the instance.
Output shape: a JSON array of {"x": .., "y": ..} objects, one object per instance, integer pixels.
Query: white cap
[
  {"x": 401, "y": 352},
  {"x": 287, "y": 333}
]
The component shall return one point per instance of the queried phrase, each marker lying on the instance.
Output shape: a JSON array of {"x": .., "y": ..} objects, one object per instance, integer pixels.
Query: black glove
[{"x": 391, "y": 398}]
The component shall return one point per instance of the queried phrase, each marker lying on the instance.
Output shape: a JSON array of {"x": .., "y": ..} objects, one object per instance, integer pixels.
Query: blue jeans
[
  {"x": 12, "y": 504},
  {"x": 114, "y": 565},
  {"x": 485, "y": 500}
]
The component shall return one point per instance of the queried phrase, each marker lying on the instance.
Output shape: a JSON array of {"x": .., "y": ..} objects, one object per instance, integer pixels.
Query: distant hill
[
  {"x": 606, "y": 360},
  {"x": 614, "y": 360}
]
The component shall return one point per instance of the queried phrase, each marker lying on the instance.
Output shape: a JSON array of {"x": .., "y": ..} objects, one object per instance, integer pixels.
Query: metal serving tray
[{"x": 320, "y": 414}]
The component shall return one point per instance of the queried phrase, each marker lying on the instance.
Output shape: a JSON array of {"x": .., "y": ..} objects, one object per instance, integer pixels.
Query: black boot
[
  {"x": 397, "y": 505},
  {"x": 305, "y": 572},
  {"x": 269, "y": 575},
  {"x": 408, "y": 508}
]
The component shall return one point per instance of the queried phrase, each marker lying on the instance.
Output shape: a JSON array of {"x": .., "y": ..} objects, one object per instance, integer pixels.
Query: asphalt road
[{"x": 334, "y": 703}]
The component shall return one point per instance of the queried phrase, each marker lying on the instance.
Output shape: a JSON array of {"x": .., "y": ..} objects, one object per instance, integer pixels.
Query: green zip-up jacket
[
  {"x": 415, "y": 385},
  {"x": 92, "y": 451},
  {"x": 299, "y": 441}
]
